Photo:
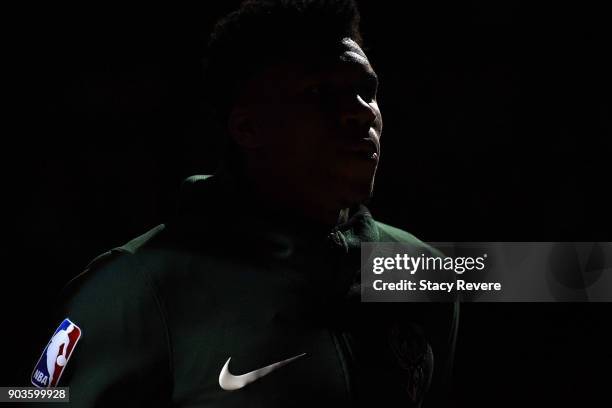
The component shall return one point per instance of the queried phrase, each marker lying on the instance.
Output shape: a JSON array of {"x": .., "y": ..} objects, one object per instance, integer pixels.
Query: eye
[
  {"x": 368, "y": 89},
  {"x": 314, "y": 90}
]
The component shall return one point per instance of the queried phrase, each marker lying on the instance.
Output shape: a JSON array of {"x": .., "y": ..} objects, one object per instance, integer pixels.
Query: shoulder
[
  {"x": 116, "y": 274},
  {"x": 115, "y": 295},
  {"x": 143, "y": 240},
  {"x": 115, "y": 305},
  {"x": 119, "y": 260}
]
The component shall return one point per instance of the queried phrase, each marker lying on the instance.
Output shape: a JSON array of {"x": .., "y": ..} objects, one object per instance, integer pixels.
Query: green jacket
[{"x": 161, "y": 315}]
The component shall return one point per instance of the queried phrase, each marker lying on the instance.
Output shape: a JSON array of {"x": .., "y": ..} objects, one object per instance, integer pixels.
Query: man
[{"x": 250, "y": 297}]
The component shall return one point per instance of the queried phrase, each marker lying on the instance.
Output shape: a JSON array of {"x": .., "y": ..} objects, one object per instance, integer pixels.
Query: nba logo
[{"x": 54, "y": 358}]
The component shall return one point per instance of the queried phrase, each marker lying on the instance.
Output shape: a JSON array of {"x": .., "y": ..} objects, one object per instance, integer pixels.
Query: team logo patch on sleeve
[{"x": 55, "y": 356}]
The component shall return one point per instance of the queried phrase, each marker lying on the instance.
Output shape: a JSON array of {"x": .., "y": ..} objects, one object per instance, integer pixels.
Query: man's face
[{"x": 318, "y": 126}]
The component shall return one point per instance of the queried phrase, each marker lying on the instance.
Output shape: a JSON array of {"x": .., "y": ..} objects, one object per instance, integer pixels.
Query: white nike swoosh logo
[{"x": 230, "y": 382}]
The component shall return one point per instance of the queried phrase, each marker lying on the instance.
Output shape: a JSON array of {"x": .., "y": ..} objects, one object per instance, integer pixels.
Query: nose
[{"x": 356, "y": 112}]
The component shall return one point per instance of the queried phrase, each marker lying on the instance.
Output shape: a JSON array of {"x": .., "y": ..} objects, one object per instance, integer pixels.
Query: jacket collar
[
  {"x": 213, "y": 215},
  {"x": 221, "y": 203}
]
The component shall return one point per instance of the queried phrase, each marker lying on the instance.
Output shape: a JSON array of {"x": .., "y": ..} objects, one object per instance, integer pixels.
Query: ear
[{"x": 243, "y": 128}]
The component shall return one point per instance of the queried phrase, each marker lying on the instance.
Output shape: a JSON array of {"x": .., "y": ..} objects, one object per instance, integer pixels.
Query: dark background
[{"x": 497, "y": 128}]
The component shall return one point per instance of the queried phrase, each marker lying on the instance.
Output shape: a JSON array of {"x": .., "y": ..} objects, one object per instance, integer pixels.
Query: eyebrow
[
  {"x": 353, "y": 46},
  {"x": 369, "y": 73},
  {"x": 353, "y": 56}
]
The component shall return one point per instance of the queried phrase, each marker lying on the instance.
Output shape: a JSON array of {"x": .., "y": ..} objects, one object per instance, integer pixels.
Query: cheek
[
  {"x": 301, "y": 134},
  {"x": 378, "y": 124}
]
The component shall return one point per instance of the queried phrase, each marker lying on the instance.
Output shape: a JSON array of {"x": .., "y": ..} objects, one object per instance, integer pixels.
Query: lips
[{"x": 365, "y": 148}]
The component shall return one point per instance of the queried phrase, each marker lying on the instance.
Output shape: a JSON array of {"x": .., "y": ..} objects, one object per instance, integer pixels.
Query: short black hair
[{"x": 262, "y": 32}]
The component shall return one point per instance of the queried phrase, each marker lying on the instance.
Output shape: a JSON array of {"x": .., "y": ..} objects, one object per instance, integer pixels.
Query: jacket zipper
[{"x": 347, "y": 362}]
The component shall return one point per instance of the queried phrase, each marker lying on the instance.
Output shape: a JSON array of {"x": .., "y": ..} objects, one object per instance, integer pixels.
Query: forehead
[
  {"x": 343, "y": 60},
  {"x": 343, "y": 57},
  {"x": 351, "y": 52}
]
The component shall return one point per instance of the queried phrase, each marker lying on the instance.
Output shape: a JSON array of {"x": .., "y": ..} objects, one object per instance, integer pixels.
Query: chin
[{"x": 357, "y": 194}]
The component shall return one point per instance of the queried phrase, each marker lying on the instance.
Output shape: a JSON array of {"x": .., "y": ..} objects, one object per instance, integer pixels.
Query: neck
[
  {"x": 292, "y": 210},
  {"x": 274, "y": 203}
]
